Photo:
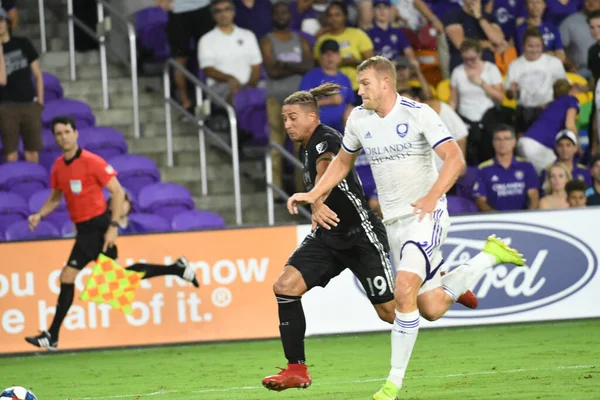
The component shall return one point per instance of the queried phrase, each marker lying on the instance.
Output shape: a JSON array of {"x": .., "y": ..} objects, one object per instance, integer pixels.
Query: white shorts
[
  {"x": 536, "y": 153},
  {"x": 428, "y": 236}
]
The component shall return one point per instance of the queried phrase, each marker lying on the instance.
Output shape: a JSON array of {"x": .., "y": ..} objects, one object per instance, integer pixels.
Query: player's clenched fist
[{"x": 34, "y": 220}]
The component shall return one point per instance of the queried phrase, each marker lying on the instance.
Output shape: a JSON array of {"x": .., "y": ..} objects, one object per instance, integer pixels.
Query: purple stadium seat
[
  {"x": 13, "y": 208},
  {"x": 135, "y": 171},
  {"x": 52, "y": 88},
  {"x": 197, "y": 220},
  {"x": 103, "y": 141},
  {"x": 20, "y": 231},
  {"x": 251, "y": 110},
  {"x": 56, "y": 218},
  {"x": 150, "y": 26},
  {"x": 460, "y": 205},
  {"x": 78, "y": 110},
  {"x": 23, "y": 178},
  {"x": 464, "y": 184},
  {"x": 151, "y": 222},
  {"x": 165, "y": 199},
  {"x": 67, "y": 229}
]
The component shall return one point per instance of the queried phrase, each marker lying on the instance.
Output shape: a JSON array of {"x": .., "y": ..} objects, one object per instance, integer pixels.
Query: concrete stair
[{"x": 152, "y": 144}]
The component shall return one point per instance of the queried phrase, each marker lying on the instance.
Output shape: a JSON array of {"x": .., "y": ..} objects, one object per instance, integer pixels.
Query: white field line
[{"x": 358, "y": 381}]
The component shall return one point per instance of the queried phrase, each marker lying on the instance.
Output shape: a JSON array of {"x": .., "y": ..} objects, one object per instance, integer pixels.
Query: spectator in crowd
[
  {"x": 566, "y": 149},
  {"x": 558, "y": 10},
  {"x": 506, "y": 182},
  {"x": 456, "y": 126},
  {"x": 530, "y": 79},
  {"x": 334, "y": 110},
  {"x": 537, "y": 144},
  {"x": 127, "y": 226},
  {"x": 254, "y": 15},
  {"x": 556, "y": 181},
  {"x": 507, "y": 12},
  {"x": 593, "y": 192},
  {"x": 388, "y": 39},
  {"x": 229, "y": 55},
  {"x": 287, "y": 57},
  {"x": 552, "y": 42},
  {"x": 408, "y": 74},
  {"x": 470, "y": 22},
  {"x": 188, "y": 21},
  {"x": 576, "y": 36},
  {"x": 10, "y": 6},
  {"x": 475, "y": 88},
  {"x": 22, "y": 101},
  {"x": 413, "y": 12},
  {"x": 593, "y": 55},
  {"x": 576, "y": 193},
  {"x": 308, "y": 15},
  {"x": 355, "y": 45}
]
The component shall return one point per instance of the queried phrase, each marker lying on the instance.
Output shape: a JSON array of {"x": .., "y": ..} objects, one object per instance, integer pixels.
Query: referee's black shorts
[
  {"x": 185, "y": 29},
  {"x": 367, "y": 258},
  {"x": 89, "y": 242}
]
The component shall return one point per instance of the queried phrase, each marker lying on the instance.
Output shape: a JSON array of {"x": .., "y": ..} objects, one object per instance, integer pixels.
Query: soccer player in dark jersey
[
  {"x": 80, "y": 176},
  {"x": 356, "y": 238}
]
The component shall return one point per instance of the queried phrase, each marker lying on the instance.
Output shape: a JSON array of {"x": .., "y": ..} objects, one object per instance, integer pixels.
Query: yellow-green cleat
[
  {"x": 503, "y": 253},
  {"x": 389, "y": 391}
]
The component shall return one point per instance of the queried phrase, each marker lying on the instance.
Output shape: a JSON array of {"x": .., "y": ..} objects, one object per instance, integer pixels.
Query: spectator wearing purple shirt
[
  {"x": 593, "y": 192},
  {"x": 506, "y": 12},
  {"x": 470, "y": 22},
  {"x": 558, "y": 10},
  {"x": 388, "y": 39},
  {"x": 254, "y": 15},
  {"x": 550, "y": 33},
  {"x": 334, "y": 110},
  {"x": 506, "y": 182},
  {"x": 308, "y": 15},
  {"x": 566, "y": 148},
  {"x": 537, "y": 144}
]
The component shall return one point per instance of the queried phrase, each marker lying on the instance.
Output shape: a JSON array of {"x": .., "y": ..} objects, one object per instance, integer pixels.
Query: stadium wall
[{"x": 236, "y": 269}]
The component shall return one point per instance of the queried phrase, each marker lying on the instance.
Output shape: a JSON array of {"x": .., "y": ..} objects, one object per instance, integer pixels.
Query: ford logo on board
[{"x": 558, "y": 265}]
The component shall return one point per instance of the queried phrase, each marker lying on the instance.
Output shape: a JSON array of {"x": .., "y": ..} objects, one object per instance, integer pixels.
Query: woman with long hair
[{"x": 556, "y": 180}]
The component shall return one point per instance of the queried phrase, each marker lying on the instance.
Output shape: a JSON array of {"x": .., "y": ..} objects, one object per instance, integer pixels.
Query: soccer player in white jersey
[{"x": 399, "y": 137}]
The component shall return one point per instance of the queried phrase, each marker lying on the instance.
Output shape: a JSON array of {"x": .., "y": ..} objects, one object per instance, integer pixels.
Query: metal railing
[
  {"x": 232, "y": 150},
  {"x": 42, "y": 26},
  {"x": 271, "y": 187},
  {"x": 102, "y": 28}
]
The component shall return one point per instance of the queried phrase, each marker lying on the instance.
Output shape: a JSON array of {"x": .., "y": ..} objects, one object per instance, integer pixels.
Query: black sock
[
  {"x": 292, "y": 327},
  {"x": 65, "y": 299},
  {"x": 153, "y": 270}
]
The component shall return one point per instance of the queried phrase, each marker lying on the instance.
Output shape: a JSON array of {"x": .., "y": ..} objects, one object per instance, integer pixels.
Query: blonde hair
[
  {"x": 381, "y": 65},
  {"x": 309, "y": 98},
  {"x": 568, "y": 175},
  {"x": 561, "y": 88}
]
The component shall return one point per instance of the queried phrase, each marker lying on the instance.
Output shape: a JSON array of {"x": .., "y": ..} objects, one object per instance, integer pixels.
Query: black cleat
[
  {"x": 189, "y": 274},
  {"x": 43, "y": 340}
]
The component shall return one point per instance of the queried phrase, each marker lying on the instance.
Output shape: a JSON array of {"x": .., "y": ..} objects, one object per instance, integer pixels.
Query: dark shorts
[
  {"x": 525, "y": 117},
  {"x": 21, "y": 119},
  {"x": 89, "y": 242},
  {"x": 367, "y": 259},
  {"x": 184, "y": 30}
]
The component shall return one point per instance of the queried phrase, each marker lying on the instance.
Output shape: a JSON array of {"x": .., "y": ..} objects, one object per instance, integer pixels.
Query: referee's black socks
[
  {"x": 152, "y": 270},
  {"x": 65, "y": 299},
  {"x": 292, "y": 327}
]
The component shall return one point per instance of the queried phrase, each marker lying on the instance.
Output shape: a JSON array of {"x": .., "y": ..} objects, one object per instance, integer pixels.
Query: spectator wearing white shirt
[
  {"x": 530, "y": 79},
  {"x": 229, "y": 55},
  {"x": 475, "y": 88}
]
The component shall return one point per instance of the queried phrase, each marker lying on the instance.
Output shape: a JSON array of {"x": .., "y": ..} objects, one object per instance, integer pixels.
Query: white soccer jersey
[{"x": 400, "y": 148}]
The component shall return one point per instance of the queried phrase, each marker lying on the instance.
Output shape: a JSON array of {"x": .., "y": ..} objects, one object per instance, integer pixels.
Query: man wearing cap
[
  {"x": 566, "y": 147},
  {"x": 538, "y": 143},
  {"x": 593, "y": 192},
  {"x": 506, "y": 182},
  {"x": 21, "y": 100},
  {"x": 334, "y": 110},
  {"x": 388, "y": 39},
  {"x": 229, "y": 55}
]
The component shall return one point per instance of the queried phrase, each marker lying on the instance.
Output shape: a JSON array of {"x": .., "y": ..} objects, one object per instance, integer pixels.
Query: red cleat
[
  {"x": 468, "y": 299},
  {"x": 294, "y": 376}
]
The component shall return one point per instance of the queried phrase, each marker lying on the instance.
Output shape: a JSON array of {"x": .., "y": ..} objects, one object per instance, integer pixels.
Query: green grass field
[{"x": 529, "y": 361}]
